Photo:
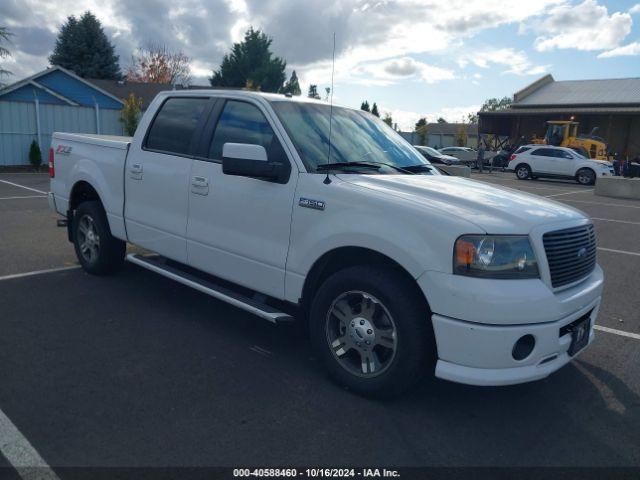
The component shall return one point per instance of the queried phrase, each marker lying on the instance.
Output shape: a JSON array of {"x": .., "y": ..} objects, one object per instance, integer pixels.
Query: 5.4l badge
[{"x": 310, "y": 203}]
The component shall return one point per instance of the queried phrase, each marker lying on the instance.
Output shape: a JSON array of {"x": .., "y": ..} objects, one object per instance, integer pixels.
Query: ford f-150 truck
[{"x": 291, "y": 208}]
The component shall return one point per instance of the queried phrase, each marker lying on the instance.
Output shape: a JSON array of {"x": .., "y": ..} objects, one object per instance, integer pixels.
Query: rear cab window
[{"x": 175, "y": 125}]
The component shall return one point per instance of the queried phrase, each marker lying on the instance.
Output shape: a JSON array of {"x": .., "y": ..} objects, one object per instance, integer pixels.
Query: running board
[{"x": 250, "y": 305}]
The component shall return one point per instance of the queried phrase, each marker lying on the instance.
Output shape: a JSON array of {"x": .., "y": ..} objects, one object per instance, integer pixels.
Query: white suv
[{"x": 533, "y": 161}]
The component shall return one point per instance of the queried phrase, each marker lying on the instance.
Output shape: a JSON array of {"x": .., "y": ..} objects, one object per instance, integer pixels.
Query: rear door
[
  {"x": 158, "y": 177},
  {"x": 541, "y": 160},
  {"x": 238, "y": 226}
]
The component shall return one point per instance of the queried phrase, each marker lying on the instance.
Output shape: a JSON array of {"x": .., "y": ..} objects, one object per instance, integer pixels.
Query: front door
[
  {"x": 158, "y": 178},
  {"x": 239, "y": 227}
]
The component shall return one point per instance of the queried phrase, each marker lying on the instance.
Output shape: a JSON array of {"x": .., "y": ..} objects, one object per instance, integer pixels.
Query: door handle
[
  {"x": 136, "y": 171},
  {"x": 200, "y": 186},
  {"x": 200, "y": 182}
]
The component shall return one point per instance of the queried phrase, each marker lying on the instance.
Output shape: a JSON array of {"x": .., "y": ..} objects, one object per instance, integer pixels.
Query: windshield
[{"x": 355, "y": 137}]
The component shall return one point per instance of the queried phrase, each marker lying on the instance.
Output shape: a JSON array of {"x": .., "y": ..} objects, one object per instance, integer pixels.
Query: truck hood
[{"x": 498, "y": 210}]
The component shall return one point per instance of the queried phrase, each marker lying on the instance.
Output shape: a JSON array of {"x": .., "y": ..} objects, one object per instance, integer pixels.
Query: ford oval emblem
[{"x": 582, "y": 252}]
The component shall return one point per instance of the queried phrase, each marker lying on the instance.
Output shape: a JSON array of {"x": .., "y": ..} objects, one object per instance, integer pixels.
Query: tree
[
  {"x": 155, "y": 63},
  {"x": 5, "y": 35},
  {"x": 493, "y": 104},
  {"x": 490, "y": 105},
  {"x": 461, "y": 135},
  {"x": 83, "y": 48},
  {"x": 327, "y": 92},
  {"x": 251, "y": 60},
  {"x": 130, "y": 114},
  {"x": 35, "y": 156},
  {"x": 365, "y": 106},
  {"x": 388, "y": 119},
  {"x": 313, "y": 92},
  {"x": 441, "y": 120},
  {"x": 421, "y": 131},
  {"x": 292, "y": 86},
  {"x": 374, "y": 110}
]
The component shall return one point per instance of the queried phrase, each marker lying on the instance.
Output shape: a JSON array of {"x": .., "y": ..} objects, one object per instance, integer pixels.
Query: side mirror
[{"x": 247, "y": 160}]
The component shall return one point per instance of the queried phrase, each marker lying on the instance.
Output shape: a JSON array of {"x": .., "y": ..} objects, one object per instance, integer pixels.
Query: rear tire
[
  {"x": 523, "y": 172},
  {"x": 371, "y": 328},
  {"x": 99, "y": 252},
  {"x": 586, "y": 176}
]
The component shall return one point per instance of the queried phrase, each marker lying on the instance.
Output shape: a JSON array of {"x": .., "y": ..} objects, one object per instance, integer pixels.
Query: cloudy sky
[{"x": 412, "y": 57}]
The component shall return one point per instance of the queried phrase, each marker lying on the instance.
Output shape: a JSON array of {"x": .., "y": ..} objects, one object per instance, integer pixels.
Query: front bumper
[
  {"x": 482, "y": 354},
  {"x": 476, "y": 323}
]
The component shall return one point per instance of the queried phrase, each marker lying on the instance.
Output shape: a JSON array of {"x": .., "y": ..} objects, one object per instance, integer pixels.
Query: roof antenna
[{"x": 327, "y": 180}]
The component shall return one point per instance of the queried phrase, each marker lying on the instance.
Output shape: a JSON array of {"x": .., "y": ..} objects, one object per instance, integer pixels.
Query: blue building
[{"x": 49, "y": 101}]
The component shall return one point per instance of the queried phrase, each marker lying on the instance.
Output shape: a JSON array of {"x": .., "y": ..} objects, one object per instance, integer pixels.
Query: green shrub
[{"x": 35, "y": 156}]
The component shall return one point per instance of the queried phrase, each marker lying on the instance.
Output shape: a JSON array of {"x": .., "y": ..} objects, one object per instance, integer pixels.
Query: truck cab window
[
  {"x": 241, "y": 122},
  {"x": 173, "y": 128}
]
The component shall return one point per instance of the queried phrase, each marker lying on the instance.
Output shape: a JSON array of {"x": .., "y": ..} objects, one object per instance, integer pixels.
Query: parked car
[
  {"x": 533, "y": 161},
  {"x": 436, "y": 157},
  {"x": 467, "y": 155},
  {"x": 242, "y": 197}
]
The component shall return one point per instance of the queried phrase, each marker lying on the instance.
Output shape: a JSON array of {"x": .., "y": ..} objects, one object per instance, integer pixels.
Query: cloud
[
  {"x": 587, "y": 26},
  {"x": 630, "y": 49},
  {"x": 512, "y": 61},
  {"x": 391, "y": 71},
  {"x": 367, "y": 31},
  {"x": 635, "y": 8}
]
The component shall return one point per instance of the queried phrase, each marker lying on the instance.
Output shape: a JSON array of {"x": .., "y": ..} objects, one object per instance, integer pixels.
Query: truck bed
[
  {"x": 99, "y": 160},
  {"x": 111, "y": 141}
]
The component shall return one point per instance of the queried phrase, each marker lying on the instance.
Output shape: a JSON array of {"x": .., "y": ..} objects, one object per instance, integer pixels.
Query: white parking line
[
  {"x": 618, "y": 251},
  {"x": 38, "y": 272},
  {"x": 22, "y": 186},
  {"x": 617, "y": 221},
  {"x": 602, "y": 204},
  {"x": 23, "y": 196},
  {"x": 617, "y": 332},
  {"x": 21, "y": 454},
  {"x": 569, "y": 193}
]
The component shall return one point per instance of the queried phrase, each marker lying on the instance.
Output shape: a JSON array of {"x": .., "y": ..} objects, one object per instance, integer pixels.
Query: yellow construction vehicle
[{"x": 564, "y": 133}]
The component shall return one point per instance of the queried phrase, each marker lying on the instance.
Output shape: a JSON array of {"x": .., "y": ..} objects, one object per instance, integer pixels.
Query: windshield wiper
[
  {"x": 374, "y": 165},
  {"x": 341, "y": 165},
  {"x": 418, "y": 168}
]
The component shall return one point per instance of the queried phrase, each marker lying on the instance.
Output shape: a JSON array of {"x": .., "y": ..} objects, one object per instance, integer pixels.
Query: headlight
[{"x": 494, "y": 256}]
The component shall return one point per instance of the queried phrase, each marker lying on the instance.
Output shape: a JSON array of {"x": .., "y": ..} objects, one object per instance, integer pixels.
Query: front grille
[{"x": 571, "y": 254}]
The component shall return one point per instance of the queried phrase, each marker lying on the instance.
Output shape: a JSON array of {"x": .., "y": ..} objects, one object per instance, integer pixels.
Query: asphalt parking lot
[{"x": 135, "y": 370}]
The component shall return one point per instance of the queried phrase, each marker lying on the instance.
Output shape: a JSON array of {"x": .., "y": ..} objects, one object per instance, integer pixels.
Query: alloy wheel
[
  {"x": 88, "y": 239},
  {"x": 361, "y": 334}
]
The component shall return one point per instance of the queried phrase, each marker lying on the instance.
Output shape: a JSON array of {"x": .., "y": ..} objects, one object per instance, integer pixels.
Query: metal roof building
[{"x": 611, "y": 105}]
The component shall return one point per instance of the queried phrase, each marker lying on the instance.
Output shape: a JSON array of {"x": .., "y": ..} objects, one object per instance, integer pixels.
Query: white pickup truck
[{"x": 270, "y": 202}]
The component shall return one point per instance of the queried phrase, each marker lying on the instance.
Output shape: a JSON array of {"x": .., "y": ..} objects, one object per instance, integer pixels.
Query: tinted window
[
  {"x": 241, "y": 122},
  {"x": 543, "y": 152},
  {"x": 175, "y": 124}
]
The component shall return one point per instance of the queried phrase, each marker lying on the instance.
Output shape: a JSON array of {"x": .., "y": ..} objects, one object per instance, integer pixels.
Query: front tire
[
  {"x": 586, "y": 176},
  {"x": 371, "y": 328},
  {"x": 98, "y": 252}
]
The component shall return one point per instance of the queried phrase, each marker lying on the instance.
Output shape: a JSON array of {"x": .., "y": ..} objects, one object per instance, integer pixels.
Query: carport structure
[{"x": 611, "y": 105}]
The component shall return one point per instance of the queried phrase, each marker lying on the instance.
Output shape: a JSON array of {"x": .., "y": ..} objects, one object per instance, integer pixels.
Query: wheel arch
[
  {"x": 349, "y": 256},
  {"x": 81, "y": 191}
]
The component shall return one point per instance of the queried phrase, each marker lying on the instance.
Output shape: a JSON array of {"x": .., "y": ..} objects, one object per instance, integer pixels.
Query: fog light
[{"x": 523, "y": 347}]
